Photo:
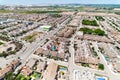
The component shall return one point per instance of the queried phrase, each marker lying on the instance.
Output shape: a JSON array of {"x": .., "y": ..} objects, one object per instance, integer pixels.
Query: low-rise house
[
  {"x": 83, "y": 59},
  {"x": 84, "y": 54},
  {"x": 41, "y": 66},
  {"x": 54, "y": 53},
  {"x": 66, "y": 32},
  {"x": 108, "y": 51},
  {"x": 50, "y": 53},
  {"x": 39, "y": 51},
  {"x": 118, "y": 67},
  {"x": 75, "y": 22},
  {"x": 46, "y": 52},
  {"x": 50, "y": 72},
  {"x": 26, "y": 70},
  {"x": 15, "y": 63},
  {"x": 94, "y": 38},
  {"x": 97, "y": 38},
  {"x": 5, "y": 71},
  {"x": 61, "y": 55},
  {"x": 79, "y": 35},
  {"x": 9, "y": 68},
  {"x": 31, "y": 63},
  {"x": 56, "y": 48}
]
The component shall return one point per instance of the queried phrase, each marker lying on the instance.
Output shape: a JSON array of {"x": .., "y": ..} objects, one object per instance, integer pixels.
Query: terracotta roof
[
  {"x": 31, "y": 62},
  {"x": 9, "y": 68},
  {"x": 26, "y": 70},
  {"x": 40, "y": 66},
  {"x": 50, "y": 72},
  {"x": 39, "y": 51}
]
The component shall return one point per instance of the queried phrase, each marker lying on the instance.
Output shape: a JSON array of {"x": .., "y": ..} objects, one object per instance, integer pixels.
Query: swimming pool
[
  {"x": 100, "y": 79},
  {"x": 107, "y": 58},
  {"x": 63, "y": 68},
  {"x": 54, "y": 48}
]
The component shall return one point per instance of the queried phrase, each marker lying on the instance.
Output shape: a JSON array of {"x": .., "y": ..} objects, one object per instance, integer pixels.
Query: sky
[{"x": 38, "y": 2}]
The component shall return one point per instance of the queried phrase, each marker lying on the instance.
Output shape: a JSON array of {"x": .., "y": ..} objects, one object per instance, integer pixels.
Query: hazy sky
[{"x": 28, "y": 2}]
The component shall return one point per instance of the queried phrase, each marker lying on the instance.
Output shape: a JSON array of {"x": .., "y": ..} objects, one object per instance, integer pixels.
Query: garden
[
  {"x": 99, "y": 18},
  {"x": 90, "y": 22},
  {"x": 94, "y": 32}
]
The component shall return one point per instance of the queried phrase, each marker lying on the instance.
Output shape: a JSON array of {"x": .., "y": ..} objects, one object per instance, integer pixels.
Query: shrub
[
  {"x": 89, "y": 22},
  {"x": 101, "y": 66},
  {"x": 95, "y": 32}
]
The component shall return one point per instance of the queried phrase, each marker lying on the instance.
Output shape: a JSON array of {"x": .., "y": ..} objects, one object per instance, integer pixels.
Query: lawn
[
  {"x": 29, "y": 38},
  {"x": 5, "y": 11},
  {"x": 31, "y": 11},
  {"x": 94, "y": 32},
  {"x": 36, "y": 75},
  {"x": 90, "y": 22},
  {"x": 55, "y": 15},
  {"x": 39, "y": 12},
  {"x": 99, "y": 18},
  {"x": 22, "y": 77},
  {"x": 32, "y": 37}
]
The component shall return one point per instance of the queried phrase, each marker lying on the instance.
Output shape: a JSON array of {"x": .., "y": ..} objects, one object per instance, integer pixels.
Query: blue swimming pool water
[
  {"x": 100, "y": 79},
  {"x": 107, "y": 58},
  {"x": 54, "y": 48},
  {"x": 63, "y": 68}
]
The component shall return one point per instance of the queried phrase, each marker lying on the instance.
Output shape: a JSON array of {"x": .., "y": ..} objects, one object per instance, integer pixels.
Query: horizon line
[{"x": 48, "y": 4}]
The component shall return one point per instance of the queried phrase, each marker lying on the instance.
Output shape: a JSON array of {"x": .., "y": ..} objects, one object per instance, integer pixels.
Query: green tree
[
  {"x": 101, "y": 66},
  {"x": 9, "y": 76},
  {"x": 99, "y": 32}
]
